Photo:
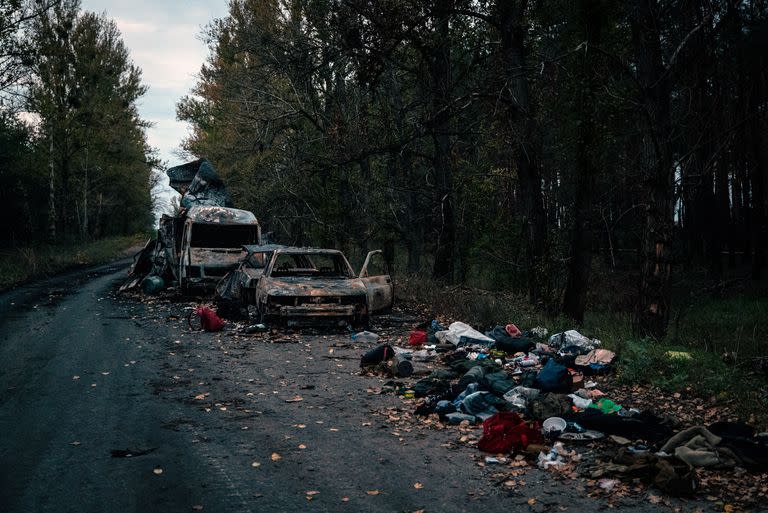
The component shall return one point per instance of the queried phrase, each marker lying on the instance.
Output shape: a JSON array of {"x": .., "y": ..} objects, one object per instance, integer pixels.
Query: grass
[
  {"x": 705, "y": 329},
  {"x": 21, "y": 264}
]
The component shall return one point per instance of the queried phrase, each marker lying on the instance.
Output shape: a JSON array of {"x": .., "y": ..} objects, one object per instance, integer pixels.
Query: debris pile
[{"x": 538, "y": 399}]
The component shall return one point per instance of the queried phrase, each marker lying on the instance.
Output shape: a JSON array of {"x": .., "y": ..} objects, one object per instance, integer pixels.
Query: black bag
[
  {"x": 377, "y": 355},
  {"x": 554, "y": 377}
]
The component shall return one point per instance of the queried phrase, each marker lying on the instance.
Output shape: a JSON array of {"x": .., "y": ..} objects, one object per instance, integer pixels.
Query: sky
[{"x": 163, "y": 38}]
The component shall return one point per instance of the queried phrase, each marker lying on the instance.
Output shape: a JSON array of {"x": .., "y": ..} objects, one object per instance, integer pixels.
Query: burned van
[{"x": 212, "y": 244}]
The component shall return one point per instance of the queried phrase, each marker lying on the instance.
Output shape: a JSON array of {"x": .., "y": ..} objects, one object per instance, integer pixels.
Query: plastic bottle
[{"x": 365, "y": 336}]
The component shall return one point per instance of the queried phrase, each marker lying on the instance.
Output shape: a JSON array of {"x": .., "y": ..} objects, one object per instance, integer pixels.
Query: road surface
[{"x": 109, "y": 403}]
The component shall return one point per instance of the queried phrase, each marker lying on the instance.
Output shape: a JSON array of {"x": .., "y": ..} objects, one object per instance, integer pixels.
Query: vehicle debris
[
  {"x": 306, "y": 286},
  {"x": 196, "y": 247}
]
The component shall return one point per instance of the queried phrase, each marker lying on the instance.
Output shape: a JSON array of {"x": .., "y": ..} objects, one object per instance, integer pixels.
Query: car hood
[{"x": 314, "y": 287}]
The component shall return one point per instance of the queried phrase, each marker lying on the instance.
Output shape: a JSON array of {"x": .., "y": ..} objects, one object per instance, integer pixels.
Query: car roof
[
  {"x": 220, "y": 215},
  {"x": 296, "y": 250},
  {"x": 262, "y": 248}
]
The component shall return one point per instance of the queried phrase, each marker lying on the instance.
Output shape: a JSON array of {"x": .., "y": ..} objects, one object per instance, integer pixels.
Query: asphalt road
[{"x": 213, "y": 422}]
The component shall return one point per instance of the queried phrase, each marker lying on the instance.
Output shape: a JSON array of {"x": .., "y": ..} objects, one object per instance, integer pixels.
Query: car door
[{"x": 378, "y": 282}]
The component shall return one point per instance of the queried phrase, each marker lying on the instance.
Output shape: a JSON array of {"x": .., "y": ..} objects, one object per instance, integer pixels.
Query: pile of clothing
[{"x": 513, "y": 381}]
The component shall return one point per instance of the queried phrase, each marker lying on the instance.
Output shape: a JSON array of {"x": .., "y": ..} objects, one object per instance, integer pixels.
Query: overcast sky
[{"x": 163, "y": 37}]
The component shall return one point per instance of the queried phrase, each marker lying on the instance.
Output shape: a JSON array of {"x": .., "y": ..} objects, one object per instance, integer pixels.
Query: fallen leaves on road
[
  {"x": 255, "y": 464},
  {"x": 418, "y": 486},
  {"x": 373, "y": 492},
  {"x": 276, "y": 457},
  {"x": 295, "y": 399},
  {"x": 75, "y": 443},
  {"x": 157, "y": 471}
]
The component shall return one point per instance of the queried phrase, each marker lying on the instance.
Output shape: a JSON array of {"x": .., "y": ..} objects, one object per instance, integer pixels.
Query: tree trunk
[
  {"x": 51, "y": 195},
  {"x": 440, "y": 70},
  {"x": 653, "y": 305},
  {"x": 758, "y": 181},
  {"x": 575, "y": 298},
  {"x": 521, "y": 138}
]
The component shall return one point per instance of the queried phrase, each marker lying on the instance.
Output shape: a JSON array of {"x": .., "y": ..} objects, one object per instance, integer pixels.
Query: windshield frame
[{"x": 350, "y": 273}]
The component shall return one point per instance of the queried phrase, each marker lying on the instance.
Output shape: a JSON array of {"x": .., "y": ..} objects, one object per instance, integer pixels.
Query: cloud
[{"x": 163, "y": 38}]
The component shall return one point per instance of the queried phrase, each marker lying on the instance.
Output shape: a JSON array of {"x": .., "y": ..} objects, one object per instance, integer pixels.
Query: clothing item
[
  {"x": 698, "y": 447},
  {"x": 417, "y": 338},
  {"x": 553, "y": 377},
  {"x": 506, "y": 431},
  {"x": 482, "y": 403},
  {"x": 498, "y": 382},
  {"x": 643, "y": 426},
  {"x": 550, "y": 405}
]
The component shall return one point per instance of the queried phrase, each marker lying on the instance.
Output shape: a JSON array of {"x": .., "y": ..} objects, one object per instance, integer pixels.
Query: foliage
[
  {"x": 509, "y": 141},
  {"x": 81, "y": 162}
]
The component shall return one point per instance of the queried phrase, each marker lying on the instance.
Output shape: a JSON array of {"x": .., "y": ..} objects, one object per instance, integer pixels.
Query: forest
[
  {"x": 582, "y": 154},
  {"x": 75, "y": 165},
  {"x": 560, "y": 149}
]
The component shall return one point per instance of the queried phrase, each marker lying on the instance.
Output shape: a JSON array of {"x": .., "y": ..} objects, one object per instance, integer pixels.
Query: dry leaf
[
  {"x": 295, "y": 399},
  {"x": 654, "y": 499},
  {"x": 157, "y": 471},
  {"x": 345, "y": 499},
  {"x": 302, "y": 446},
  {"x": 531, "y": 501},
  {"x": 200, "y": 397},
  {"x": 312, "y": 492},
  {"x": 418, "y": 486},
  {"x": 373, "y": 492},
  {"x": 276, "y": 457},
  {"x": 255, "y": 464}
]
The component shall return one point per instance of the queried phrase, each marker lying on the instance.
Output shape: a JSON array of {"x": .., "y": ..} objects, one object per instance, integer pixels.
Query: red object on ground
[
  {"x": 417, "y": 338},
  {"x": 208, "y": 319},
  {"x": 506, "y": 431},
  {"x": 513, "y": 331}
]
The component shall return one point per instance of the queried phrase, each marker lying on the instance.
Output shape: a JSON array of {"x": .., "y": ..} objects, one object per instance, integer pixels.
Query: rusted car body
[
  {"x": 307, "y": 285},
  {"x": 237, "y": 288},
  {"x": 212, "y": 244}
]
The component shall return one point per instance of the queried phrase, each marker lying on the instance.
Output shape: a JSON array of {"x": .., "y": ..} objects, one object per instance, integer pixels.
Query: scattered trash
[
  {"x": 460, "y": 334},
  {"x": 417, "y": 338},
  {"x": 365, "y": 337},
  {"x": 607, "y": 484},
  {"x": 506, "y": 431},
  {"x": 255, "y": 328},
  {"x": 553, "y": 427},
  {"x": 513, "y": 331},
  {"x": 205, "y": 319}
]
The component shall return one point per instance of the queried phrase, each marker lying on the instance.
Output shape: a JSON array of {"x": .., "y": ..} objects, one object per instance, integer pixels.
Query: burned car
[
  {"x": 307, "y": 285},
  {"x": 238, "y": 287}
]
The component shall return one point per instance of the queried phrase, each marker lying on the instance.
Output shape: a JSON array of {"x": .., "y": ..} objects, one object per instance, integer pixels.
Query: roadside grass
[
  {"x": 21, "y": 264},
  {"x": 703, "y": 330}
]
